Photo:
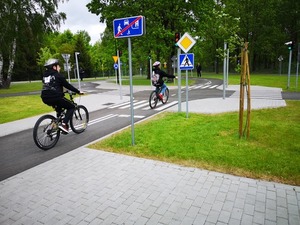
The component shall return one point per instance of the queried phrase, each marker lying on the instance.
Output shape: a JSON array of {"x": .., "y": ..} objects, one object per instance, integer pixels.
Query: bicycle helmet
[
  {"x": 51, "y": 62},
  {"x": 157, "y": 63}
]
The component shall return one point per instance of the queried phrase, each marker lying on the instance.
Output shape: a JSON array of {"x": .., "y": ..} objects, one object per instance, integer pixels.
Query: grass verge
[
  {"x": 211, "y": 142},
  {"x": 20, "y": 107}
]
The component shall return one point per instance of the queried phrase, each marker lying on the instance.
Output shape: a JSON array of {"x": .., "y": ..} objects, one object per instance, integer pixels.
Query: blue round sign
[{"x": 116, "y": 66}]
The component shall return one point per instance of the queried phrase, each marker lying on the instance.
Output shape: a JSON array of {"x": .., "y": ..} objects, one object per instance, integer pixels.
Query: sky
[{"x": 79, "y": 18}]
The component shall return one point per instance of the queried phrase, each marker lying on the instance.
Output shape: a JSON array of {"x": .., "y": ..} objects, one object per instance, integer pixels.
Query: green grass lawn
[{"x": 272, "y": 151}]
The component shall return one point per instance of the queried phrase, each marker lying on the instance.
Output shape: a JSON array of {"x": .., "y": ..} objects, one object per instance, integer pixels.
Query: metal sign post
[
  {"x": 77, "y": 67},
  {"x": 131, "y": 91},
  {"x": 126, "y": 28},
  {"x": 224, "y": 71},
  {"x": 66, "y": 58},
  {"x": 179, "y": 79},
  {"x": 120, "y": 76}
]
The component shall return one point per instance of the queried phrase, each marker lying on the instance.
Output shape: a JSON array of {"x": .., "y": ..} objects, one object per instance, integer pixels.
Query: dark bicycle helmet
[{"x": 51, "y": 62}]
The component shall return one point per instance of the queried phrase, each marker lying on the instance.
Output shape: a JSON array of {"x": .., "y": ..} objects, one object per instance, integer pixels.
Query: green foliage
[
  {"x": 22, "y": 26},
  {"x": 266, "y": 25}
]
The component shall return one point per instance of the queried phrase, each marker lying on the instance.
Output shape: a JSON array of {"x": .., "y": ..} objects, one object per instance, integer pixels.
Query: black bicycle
[
  {"x": 46, "y": 132},
  {"x": 154, "y": 97}
]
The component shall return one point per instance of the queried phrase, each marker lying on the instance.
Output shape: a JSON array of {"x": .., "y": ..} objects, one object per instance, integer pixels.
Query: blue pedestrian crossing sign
[
  {"x": 129, "y": 27},
  {"x": 186, "y": 61}
]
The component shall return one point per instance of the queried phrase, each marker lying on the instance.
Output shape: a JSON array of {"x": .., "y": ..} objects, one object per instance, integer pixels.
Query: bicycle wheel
[
  {"x": 153, "y": 100},
  {"x": 165, "y": 96},
  {"x": 46, "y": 132},
  {"x": 79, "y": 119}
]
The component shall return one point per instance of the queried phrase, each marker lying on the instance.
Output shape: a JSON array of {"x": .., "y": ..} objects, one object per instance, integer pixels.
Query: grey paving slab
[{"x": 87, "y": 186}]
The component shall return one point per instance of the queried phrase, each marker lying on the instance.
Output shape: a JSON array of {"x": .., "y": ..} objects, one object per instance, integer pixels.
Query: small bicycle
[
  {"x": 46, "y": 132},
  {"x": 154, "y": 97}
]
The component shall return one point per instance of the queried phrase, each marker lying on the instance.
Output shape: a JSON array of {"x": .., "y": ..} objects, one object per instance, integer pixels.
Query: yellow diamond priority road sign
[{"x": 186, "y": 42}]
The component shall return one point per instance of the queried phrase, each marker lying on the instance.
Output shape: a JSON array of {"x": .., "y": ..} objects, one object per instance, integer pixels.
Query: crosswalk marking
[
  {"x": 111, "y": 116},
  {"x": 118, "y": 105},
  {"x": 102, "y": 118},
  {"x": 144, "y": 104},
  {"x": 134, "y": 104},
  {"x": 213, "y": 86},
  {"x": 161, "y": 106}
]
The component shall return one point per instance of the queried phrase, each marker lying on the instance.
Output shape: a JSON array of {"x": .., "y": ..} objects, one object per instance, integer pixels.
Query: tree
[
  {"x": 21, "y": 27},
  {"x": 82, "y": 46}
]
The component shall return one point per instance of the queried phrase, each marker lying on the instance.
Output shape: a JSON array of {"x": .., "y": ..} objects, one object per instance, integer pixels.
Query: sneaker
[
  {"x": 160, "y": 96},
  {"x": 64, "y": 127}
]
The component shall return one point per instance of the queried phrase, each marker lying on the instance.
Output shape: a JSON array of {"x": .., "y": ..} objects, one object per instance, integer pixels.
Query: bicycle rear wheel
[
  {"x": 153, "y": 100},
  {"x": 46, "y": 132},
  {"x": 79, "y": 119},
  {"x": 165, "y": 96}
]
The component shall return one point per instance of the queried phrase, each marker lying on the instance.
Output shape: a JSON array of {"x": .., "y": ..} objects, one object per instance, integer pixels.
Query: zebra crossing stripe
[
  {"x": 166, "y": 106},
  {"x": 102, "y": 118},
  {"x": 162, "y": 106},
  {"x": 142, "y": 105},
  {"x": 136, "y": 103},
  {"x": 121, "y": 104}
]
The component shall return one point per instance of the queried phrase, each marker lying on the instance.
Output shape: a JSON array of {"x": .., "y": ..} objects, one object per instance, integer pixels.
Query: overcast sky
[{"x": 79, "y": 18}]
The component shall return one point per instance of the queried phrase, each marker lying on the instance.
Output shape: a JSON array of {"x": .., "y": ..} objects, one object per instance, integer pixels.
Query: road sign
[
  {"x": 129, "y": 27},
  {"x": 116, "y": 66},
  {"x": 115, "y": 58},
  {"x": 186, "y": 42},
  {"x": 66, "y": 57},
  {"x": 186, "y": 61}
]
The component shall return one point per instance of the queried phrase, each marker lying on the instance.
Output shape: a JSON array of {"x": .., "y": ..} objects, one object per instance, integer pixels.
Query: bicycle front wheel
[
  {"x": 165, "y": 96},
  {"x": 46, "y": 132},
  {"x": 153, "y": 100},
  {"x": 79, "y": 119}
]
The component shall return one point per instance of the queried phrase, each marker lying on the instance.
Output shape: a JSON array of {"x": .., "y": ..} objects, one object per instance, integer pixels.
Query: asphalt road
[{"x": 19, "y": 153}]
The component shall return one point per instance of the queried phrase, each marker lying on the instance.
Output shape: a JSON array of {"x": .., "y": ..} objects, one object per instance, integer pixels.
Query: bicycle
[
  {"x": 154, "y": 97},
  {"x": 46, "y": 132}
]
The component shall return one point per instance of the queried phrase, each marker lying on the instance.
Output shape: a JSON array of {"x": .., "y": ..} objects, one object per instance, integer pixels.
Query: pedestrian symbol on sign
[{"x": 187, "y": 61}]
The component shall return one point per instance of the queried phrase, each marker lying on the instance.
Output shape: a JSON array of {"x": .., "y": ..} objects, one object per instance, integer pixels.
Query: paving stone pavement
[{"x": 88, "y": 186}]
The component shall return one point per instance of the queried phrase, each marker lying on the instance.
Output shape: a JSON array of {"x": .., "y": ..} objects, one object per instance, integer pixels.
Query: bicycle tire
[
  {"x": 80, "y": 119},
  {"x": 45, "y": 132},
  {"x": 153, "y": 100},
  {"x": 165, "y": 96}
]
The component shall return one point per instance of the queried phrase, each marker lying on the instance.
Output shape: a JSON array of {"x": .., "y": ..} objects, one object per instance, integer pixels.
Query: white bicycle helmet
[
  {"x": 157, "y": 63},
  {"x": 51, "y": 62}
]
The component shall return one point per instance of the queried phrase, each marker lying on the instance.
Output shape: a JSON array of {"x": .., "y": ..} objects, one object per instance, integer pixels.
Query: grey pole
[
  {"x": 179, "y": 79},
  {"x": 227, "y": 67},
  {"x": 131, "y": 91},
  {"x": 224, "y": 71},
  {"x": 120, "y": 76},
  {"x": 187, "y": 93},
  {"x": 68, "y": 71},
  {"x": 150, "y": 61},
  {"x": 289, "y": 71},
  {"x": 77, "y": 67}
]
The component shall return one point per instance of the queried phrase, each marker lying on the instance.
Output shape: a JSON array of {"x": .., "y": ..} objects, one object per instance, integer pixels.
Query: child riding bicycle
[
  {"x": 53, "y": 94},
  {"x": 157, "y": 78}
]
